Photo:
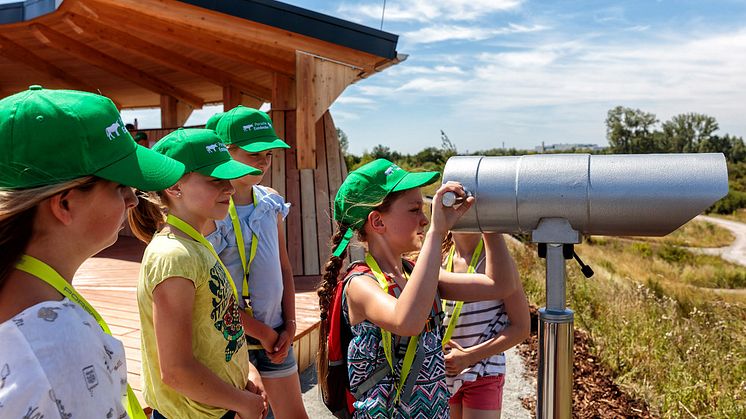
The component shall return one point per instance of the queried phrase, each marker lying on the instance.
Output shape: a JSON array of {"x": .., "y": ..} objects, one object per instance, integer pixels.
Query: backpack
[{"x": 338, "y": 397}]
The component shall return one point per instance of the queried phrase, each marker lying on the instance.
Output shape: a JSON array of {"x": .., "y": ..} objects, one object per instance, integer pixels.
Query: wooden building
[{"x": 180, "y": 55}]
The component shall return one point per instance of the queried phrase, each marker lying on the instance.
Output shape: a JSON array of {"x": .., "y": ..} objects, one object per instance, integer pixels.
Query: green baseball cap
[
  {"x": 212, "y": 123},
  {"x": 201, "y": 151},
  {"x": 366, "y": 187},
  {"x": 53, "y": 136},
  {"x": 248, "y": 128}
]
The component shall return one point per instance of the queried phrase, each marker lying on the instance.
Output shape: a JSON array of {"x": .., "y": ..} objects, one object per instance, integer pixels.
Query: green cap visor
[
  {"x": 145, "y": 170},
  {"x": 201, "y": 151},
  {"x": 258, "y": 146}
]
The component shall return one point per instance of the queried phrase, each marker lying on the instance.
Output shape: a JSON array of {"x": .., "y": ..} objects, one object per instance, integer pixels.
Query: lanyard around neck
[
  {"x": 386, "y": 338},
  {"x": 46, "y": 273},
  {"x": 241, "y": 248},
  {"x": 459, "y": 304},
  {"x": 196, "y": 235}
]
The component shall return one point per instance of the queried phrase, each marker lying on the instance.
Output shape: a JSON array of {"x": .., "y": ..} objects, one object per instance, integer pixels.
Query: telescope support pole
[{"x": 554, "y": 393}]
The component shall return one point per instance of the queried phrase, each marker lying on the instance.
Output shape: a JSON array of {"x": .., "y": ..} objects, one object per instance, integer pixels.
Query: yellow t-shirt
[{"x": 217, "y": 334}]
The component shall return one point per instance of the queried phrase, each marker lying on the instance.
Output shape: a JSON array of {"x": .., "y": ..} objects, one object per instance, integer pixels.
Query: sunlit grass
[{"x": 680, "y": 347}]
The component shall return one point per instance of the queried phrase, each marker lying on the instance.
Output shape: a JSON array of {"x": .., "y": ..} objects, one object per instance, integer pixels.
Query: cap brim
[
  {"x": 416, "y": 180},
  {"x": 263, "y": 145},
  {"x": 229, "y": 169},
  {"x": 144, "y": 169}
]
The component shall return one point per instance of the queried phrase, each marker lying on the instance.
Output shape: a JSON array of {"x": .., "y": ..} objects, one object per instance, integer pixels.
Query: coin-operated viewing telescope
[{"x": 557, "y": 198}]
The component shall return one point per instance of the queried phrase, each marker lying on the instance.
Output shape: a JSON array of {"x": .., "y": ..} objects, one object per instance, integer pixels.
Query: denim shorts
[{"x": 267, "y": 369}]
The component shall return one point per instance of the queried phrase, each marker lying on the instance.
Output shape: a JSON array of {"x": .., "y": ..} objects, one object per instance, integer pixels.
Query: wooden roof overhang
[{"x": 179, "y": 55}]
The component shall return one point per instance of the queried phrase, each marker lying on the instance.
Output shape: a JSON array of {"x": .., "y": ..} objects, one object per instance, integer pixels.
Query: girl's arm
[
  {"x": 406, "y": 315},
  {"x": 288, "y": 299},
  {"x": 516, "y": 307},
  {"x": 173, "y": 302},
  {"x": 499, "y": 280}
]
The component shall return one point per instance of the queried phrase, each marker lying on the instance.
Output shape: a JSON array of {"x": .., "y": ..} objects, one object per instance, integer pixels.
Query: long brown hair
[{"x": 327, "y": 287}]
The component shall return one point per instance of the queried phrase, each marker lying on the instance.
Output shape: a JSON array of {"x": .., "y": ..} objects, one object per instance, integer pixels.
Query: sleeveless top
[{"x": 365, "y": 355}]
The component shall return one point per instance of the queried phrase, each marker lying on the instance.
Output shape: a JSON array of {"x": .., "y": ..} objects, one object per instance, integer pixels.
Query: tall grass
[{"x": 682, "y": 351}]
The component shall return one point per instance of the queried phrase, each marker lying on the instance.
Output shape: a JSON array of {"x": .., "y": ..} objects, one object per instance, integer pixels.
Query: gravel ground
[{"x": 516, "y": 387}]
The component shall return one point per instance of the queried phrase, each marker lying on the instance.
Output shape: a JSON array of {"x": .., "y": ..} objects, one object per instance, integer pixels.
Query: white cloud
[
  {"x": 429, "y": 10},
  {"x": 404, "y": 69},
  {"x": 439, "y": 33},
  {"x": 355, "y": 100}
]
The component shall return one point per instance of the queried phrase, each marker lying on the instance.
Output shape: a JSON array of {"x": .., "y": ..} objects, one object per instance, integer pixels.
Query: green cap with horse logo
[
  {"x": 53, "y": 136},
  {"x": 250, "y": 129},
  {"x": 201, "y": 151},
  {"x": 366, "y": 187}
]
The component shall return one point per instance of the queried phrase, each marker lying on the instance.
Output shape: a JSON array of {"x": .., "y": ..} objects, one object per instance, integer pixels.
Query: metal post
[{"x": 554, "y": 393}]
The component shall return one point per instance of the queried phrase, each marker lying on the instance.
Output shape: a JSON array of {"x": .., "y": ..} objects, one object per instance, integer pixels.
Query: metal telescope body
[{"x": 557, "y": 198}]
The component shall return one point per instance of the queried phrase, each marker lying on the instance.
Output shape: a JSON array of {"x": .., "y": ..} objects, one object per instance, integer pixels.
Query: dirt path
[{"x": 736, "y": 252}]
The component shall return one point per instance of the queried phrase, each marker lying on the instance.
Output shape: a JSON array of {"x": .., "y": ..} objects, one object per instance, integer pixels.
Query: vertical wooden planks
[
  {"x": 323, "y": 212},
  {"x": 304, "y": 88},
  {"x": 278, "y": 156},
  {"x": 308, "y": 222},
  {"x": 333, "y": 154},
  {"x": 292, "y": 185}
]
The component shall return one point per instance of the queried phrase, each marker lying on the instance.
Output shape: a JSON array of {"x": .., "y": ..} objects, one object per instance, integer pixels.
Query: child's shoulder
[{"x": 171, "y": 246}]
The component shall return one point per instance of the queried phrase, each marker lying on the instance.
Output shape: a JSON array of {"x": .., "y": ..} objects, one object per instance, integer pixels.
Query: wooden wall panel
[
  {"x": 333, "y": 154},
  {"x": 292, "y": 195},
  {"x": 323, "y": 209},
  {"x": 278, "y": 156},
  {"x": 308, "y": 220}
]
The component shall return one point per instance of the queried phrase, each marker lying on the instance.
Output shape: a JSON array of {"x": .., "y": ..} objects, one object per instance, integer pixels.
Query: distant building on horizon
[{"x": 543, "y": 148}]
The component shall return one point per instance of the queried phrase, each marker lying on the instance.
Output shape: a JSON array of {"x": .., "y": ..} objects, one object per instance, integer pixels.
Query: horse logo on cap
[
  {"x": 217, "y": 147},
  {"x": 113, "y": 130}
]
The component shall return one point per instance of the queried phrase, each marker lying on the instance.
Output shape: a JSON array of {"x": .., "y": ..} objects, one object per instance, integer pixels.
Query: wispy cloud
[
  {"x": 429, "y": 10},
  {"x": 439, "y": 33}
]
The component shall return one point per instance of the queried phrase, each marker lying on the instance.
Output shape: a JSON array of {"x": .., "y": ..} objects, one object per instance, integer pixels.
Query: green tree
[
  {"x": 685, "y": 133},
  {"x": 344, "y": 142},
  {"x": 630, "y": 131}
]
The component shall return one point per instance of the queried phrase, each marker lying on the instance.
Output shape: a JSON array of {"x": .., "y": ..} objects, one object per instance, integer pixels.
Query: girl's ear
[
  {"x": 174, "y": 192},
  {"x": 375, "y": 221},
  {"x": 59, "y": 205}
]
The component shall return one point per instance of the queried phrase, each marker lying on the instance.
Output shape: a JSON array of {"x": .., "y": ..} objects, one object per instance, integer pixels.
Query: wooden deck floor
[{"x": 109, "y": 282}]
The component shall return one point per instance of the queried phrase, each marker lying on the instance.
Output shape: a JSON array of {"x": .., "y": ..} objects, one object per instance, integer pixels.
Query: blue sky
[{"x": 515, "y": 72}]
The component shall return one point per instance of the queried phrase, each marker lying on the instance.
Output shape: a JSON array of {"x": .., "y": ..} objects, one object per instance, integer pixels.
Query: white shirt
[{"x": 56, "y": 362}]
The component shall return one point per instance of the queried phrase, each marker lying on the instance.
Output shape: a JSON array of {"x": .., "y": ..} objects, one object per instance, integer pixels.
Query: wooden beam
[
  {"x": 174, "y": 113},
  {"x": 304, "y": 88},
  {"x": 18, "y": 53},
  {"x": 189, "y": 35},
  {"x": 236, "y": 30},
  {"x": 318, "y": 83},
  {"x": 231, "y": 97},
  {"x": 166, "y": 57},
  {"x": 283, "y": 92},
  {"x": 112, "y": 65}
]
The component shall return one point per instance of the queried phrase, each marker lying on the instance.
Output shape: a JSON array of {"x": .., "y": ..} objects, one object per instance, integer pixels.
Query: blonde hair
[
  {"x": 17, "y": 212},
  {"x": 149, "y": 215}
]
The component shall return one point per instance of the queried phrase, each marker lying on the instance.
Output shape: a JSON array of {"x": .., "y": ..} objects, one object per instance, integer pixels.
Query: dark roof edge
[
  {"x": 307, "y": 22},
  {"x": 21, "y": 11}
]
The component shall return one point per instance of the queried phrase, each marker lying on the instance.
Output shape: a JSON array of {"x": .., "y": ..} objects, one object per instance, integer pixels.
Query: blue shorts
[{"x": 267, "y": 369}]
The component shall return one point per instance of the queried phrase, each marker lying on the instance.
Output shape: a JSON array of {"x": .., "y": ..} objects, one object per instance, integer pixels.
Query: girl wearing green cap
[
  {"x": 382, "y": 204},
  {"x": 193, "y": 344},
  {"x": 251, "y": 243},
  {"x": 65, "y": 158}
]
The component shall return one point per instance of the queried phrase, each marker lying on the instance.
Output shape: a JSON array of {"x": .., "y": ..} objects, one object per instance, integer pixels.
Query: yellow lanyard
[
  {"x": 196, "y": 235},
  {"x": 242, "y": 250},
  {"x": 46, "y": 273},
  {"x": 459, "y": 304},
  {"x": 386, "y": 337}
]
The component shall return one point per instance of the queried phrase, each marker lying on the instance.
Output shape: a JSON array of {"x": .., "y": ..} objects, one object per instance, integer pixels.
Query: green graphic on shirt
[{"x": 225, "y": 311}]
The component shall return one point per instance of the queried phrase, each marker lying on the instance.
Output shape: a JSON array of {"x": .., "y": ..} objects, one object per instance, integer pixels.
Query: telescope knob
[{"x": 450, "y": 199}]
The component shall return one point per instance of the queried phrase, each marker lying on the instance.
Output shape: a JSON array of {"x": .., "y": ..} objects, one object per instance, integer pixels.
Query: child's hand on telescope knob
[{"x": 443, "y": 218}]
